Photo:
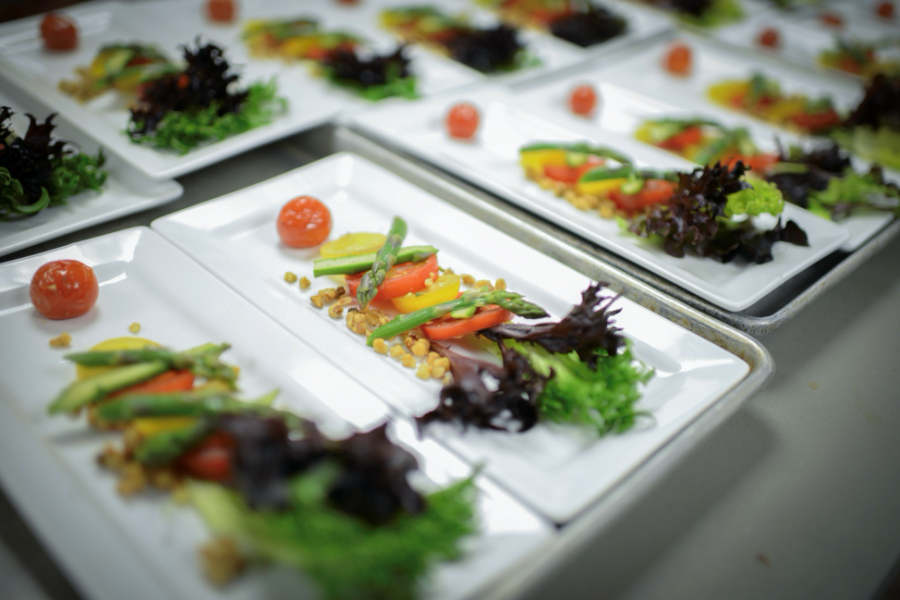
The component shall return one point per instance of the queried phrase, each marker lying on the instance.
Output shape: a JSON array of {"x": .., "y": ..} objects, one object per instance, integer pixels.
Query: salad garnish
[
  {"x": 703, "y": 13},
  {"x": 179, "y": 111},
  {"x": 269, "y": 483},
  {"x": 37, "y": 171},
  {"x": 488, "y": 50},
  {"x": 872, "y": 130},
  {"x": 860, "y": 57},
  {"x": 123, "y": 67},
  {"x": 373, "y": 76},
  {"x": 579, "y": 22}
]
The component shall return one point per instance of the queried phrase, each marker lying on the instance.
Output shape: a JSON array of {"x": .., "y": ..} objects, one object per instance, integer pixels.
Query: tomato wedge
[
  {"x": 211, "y": 459},
  {"x": 817, "y": 121},
  {"x": 687, "y": 137},
  {"x": 170, "y": 381},
  {"x": 653, "y": 192},
  {"x": 447, "y": 327},
  {"x": 401, "y": 279},
  {"x": 756, "y": 162},
  {"x": 568, "y": 174}
]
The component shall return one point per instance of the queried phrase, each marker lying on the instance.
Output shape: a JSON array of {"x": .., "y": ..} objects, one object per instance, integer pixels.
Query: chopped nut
[
  {"x": 316, "y": 300},
  {"x": 397, "y": 351},
  {"x": 221, "y": 560},
  {"x": 290, "y": 277},
  {"x": 483, "y": 283},
  {"x": 328, "y": 295},
  {"x": 380, "y": 346},
  {"x": 423, "y": 372},
  {"x": 500, "y": 284},
  {"x": 63, "y": 340},
  {"x": 408, "y": 361},
  {"x": 373, "y": 318},
  {"x": 335, "y": 311},
  {"x": 432, "y": 356},
  {"x": 304, "y": 283},
  {"x": 409, "y": 341},
  {"x": 607, "y": 211},
  {"x": 442, "y": 362},
  {"x": 133, "y": 479},
  {"x": 344, "y": 301},
  {"x": 421, "y": 347},
  {"x": 163, "y": 479},
  {"x": 111, "y": 458},
  {"x": 437, "y": 371},
  {"x": 467, "y": 279},
  {"x": 360, "y": 329}
]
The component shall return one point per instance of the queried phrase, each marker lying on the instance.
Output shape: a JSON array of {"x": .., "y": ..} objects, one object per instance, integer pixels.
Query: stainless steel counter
[{"x": 797, "y": 496}]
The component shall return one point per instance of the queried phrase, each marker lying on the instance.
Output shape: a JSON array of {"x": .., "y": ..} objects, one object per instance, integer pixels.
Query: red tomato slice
[
  {"x": 688, "y": 137},
  {"x": 568, "y": 174},
  {"x": 447, "y": 327},
  {"x": 816, "y": 121},
  {"x": 401, "y": 279},
  {"x": 211, "y": 459},
  {"x": 170, "y": 381},
  {"x": 757, "y": 162},
  {"x": 653, "y": 192}
]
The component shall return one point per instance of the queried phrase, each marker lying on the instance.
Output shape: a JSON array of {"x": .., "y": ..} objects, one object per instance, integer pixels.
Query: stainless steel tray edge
[
  {"x": 494, "y": 207},
  {"x": 605, "y": 510}
]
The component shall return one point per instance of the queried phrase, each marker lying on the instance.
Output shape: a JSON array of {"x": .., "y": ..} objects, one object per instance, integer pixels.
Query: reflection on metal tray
[
  {"x": 548, "y": 240},
  {"x": 765, "y": 316}
]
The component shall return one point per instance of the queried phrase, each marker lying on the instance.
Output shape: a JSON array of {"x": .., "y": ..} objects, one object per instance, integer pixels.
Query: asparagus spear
[
  {"x": 166, "y": 446},
  {"x": 187, "y": 404},
  {"x": 86, "y": 391},
  {"x": 357, "y": 263},
  {"x": 384, "y": 260},
  {"x": 472, "y": 299},
  {"x": 202, "y": 360}
]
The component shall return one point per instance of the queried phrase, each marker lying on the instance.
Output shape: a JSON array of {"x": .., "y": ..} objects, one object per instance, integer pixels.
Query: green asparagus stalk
[
  {"x": 186, "y": 404},
  {"x": 202, "y": 360},
  {"x": 512, "y": 302},
  {"x": 357, "y": 263},
  {"x": 384, "y": 260},
  {"x": 84, "y": 392},
  {"x": 166, "y": 446}
]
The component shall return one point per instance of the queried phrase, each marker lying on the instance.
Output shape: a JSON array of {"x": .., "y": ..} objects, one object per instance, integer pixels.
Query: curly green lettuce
[{"x": 763, "y": 197}]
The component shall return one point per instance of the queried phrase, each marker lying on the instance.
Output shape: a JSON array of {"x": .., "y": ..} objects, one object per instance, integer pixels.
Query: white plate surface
[
  {"x": 558, "y": 470},
  {"x": 145, "y": 547},
  {"x": 171, "y": 24},
  {"x": 126, "y": 190},
  {"x": 491, "y": 161},
  {"x": 620, "y": 111}
]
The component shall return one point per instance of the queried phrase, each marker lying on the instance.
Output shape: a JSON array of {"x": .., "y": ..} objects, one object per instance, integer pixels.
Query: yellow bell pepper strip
[{"x": 444, "y": 289}]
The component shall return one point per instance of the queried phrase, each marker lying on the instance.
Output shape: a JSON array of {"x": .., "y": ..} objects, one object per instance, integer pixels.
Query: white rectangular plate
[
  {"x": 145, "y": 547},
  {"x": 126, "y": 190},
  {"x": 491, "y": 161},
  {"x": 558, "y": 470},
  {"x": 620, "y": 111},
  {"x": 311, "y": 100}
]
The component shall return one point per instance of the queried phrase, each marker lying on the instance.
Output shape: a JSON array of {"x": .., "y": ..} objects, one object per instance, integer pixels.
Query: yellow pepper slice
[
  {"x": 118, "y": 343},
  {"x": 601, "y": 187},
  {"x": 149, "y": 426},
  {"x": 353, "y": 243},
  {"x": 445, "y": 288},
  {"x": 537, "y": 159}
]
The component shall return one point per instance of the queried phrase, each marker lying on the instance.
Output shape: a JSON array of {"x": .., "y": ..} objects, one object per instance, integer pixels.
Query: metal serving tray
[
  {"x": 765, "y": 316},
  {"x": 578, "y": 255}
]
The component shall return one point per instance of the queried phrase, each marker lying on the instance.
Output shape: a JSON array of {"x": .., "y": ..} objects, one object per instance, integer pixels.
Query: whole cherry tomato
[
  {"x": 462, "y": 121},
  {"x": 58, "y": 32},
  {"x": 221, "y": 11},
  {"x": 303, "y": 222},
  {"x": 64, "y": 289},
  {"x": 583, "y": 100},
  {"x": 679, "y": 60},
  {"x": 885, "y": 10},
  {"x": 769, "y": 38}
]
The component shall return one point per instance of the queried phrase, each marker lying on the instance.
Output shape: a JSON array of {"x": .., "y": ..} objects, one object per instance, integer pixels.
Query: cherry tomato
[
  {"x": 401, "y": 279},
  {"x": 303, "y": 222},
  {"x": 211, "y": 459},
  {"x": 447, "y": 327},
  {"x": 221, "y": 11},
  {"x": 583, "y": 100},
  {"x": 832, "y": 19},
  {"x": 58, "y": 32},
  {"x": 769, "y": 37},
  {"x": 64, "y": 289},
  {"x": 688, "y": 137},
  {"x": 679, "y": 60},
  {"x": 653, "y": 192},
  {"x": 462, "y": 121},
  {"x": 885, "y": 10}
]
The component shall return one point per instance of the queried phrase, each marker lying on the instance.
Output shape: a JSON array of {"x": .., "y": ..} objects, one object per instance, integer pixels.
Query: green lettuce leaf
[{"x": 762, "y": 197}]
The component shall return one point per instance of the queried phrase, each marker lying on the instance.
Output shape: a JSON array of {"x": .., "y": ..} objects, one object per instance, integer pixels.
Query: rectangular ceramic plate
[
  {"x": 126, "y": 190},
  {"x": 558, "y": 470},
  {"x": 620, "y": 111},
  {"x": 803, "y": 36},
  {"x": 491, "y": 161},
  {"x": 145, "y": 547},
  {"x": 311, "y": 100}
]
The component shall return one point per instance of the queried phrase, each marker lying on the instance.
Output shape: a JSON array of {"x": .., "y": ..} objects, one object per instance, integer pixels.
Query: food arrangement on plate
[
  {"x": 701, "y": 13},
  {"x": 862, "y": 58},
  {"x": 872, "y": 129},
  {"x": 581, "y": 23},
  {"x": 38, "y": 171},
  {"x": 578, "y": 369},
  {"x": 488, "y": 50},
  {"x": 338, "y": 56}
]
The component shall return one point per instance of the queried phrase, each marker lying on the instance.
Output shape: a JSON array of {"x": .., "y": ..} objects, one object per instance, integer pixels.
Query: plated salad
[
  {"x": 182, "y": 109},
  {"x": 38, "y": 171},
  {"x": 580, "y": 22},
  {"x": 121, "y": 67},
  {"x": 762, "y": 97},
  {"x": 702, "y": 13},
  {"x": 456, "y": 329},
  {"x": 270, "y": 485},
  {"x": 487, "y": 50},
  {"x": 872, "y": 130},
  {"x": 715, "y": 211},
  {"x": 339, "y": 56},
  {"x": 862, "y": 58},
  {"x": 704, "y": 141}
]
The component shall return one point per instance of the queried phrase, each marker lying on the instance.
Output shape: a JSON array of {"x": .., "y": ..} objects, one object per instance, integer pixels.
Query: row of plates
[{"x": 218, "y": 276}]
